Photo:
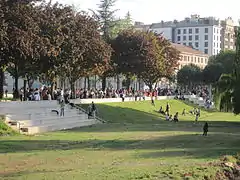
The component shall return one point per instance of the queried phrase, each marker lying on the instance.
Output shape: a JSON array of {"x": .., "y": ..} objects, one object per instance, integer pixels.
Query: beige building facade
[
  {"x": 228, "y": 34},
  {"x": 189, "y": 55}
]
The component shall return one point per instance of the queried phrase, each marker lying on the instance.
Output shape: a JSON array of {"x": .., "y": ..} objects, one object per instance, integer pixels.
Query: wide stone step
[
  {"x": 53, "y": 120},
  {"x": 29, "y": 116},
  {"x": 60, "y": 126}
]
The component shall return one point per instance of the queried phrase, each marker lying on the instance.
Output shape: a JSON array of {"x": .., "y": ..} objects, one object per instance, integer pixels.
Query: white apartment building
[
  {"x": 206, "y": 39},
  {"x": 203, "y": 34}
]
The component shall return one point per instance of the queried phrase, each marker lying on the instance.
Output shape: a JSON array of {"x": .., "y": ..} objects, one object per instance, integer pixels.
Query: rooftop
[{"x": 188, "y": 50}]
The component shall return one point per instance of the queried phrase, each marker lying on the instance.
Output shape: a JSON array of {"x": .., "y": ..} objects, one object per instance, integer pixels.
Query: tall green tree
[
  {"x": 3, "y": 44},
  {"x": 24, "y": 45},
  {"x": 84, "y": 53},
  {"x": 54, "y": 22},
  {"x": 212, "y": 72},
  {"x": 226, "y": 59},
  {"x": 236, "y": 76},
  {"x": 106, "y": 16},
  {"x": 189, "y": 75}
]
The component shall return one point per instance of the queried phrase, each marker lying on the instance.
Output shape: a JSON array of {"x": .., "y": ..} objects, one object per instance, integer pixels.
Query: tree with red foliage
[{"x": 147, "y": 55}]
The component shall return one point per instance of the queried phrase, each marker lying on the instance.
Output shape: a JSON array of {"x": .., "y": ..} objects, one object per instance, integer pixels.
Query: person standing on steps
[
  {"x": 62, "y": 105},
  {"x": 94, "y": 109},
  {"x": 205, "y": 129}
]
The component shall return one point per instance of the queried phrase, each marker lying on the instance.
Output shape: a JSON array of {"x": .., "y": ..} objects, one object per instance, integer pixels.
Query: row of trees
[
  {"x": 51, "y": 41},
  {"x": 223, "y": 63},
  {"x": 221, "y": 74}
]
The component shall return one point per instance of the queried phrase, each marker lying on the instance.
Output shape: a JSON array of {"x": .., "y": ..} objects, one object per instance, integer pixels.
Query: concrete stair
[{"x": 34, "y": 117}]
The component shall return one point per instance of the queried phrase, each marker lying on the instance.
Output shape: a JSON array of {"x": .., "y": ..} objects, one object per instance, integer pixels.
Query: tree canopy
[
  {"x": 189, "y": 75},
  {"x": 146, "y": 55}
]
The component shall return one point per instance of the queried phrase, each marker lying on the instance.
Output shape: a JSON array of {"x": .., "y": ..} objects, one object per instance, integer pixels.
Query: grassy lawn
[{"x": 136, "y": 143}]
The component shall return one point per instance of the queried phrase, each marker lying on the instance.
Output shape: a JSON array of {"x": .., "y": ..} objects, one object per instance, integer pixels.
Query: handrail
[{"x": 96, "y": 117}]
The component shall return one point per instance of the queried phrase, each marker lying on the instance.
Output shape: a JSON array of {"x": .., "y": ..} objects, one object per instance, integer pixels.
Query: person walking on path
[
  {"x": 62, "y": 105},
  {"x": 205, "y": 129}
]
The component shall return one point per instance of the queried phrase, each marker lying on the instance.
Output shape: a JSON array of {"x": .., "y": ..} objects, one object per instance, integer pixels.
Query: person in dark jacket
[{"x": 205, "y": 129}]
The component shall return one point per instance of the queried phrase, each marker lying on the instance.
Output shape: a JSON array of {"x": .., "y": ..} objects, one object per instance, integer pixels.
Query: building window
[
  {"x": 196, "y": 30},
  {"x": 206, "y": 61},
  {"x": 179, "y": 31},
  {"x": 179, "y": 38},
  {"x": 188, "y": 58},
  {"x": 206, "y": 37},
  {"x": 185, "y": 58},
  {"x": 184, "y": 44},
  {"x": 196, "y": 37},
  {"x": 190, "y": 44},
  {"x": 206, "y": 44},
  {"x": 206, "y": 30},
  {"x": 206, "y": 51},
  {"x": 190, "y": 38},
  {"x": 201, "y": 60},
  {"x": 191, "y": 59},
  {"x": 190, "y": 31},
  {"x": 181, "y": 57},
  {"x": 195, "y": 59},
  {"x": 196, "y": 44},
  {"x": 184, "y": 31},
  {"x": 184, "y": 38}
]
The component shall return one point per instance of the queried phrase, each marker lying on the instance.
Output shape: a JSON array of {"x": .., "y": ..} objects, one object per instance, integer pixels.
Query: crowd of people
[
  {"x": 63, "y": 97},
  {"x": 169, "y": 117}
]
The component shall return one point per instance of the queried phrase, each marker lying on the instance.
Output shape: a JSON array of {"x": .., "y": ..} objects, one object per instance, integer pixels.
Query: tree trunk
[
  {"x": 88, "y": 83},
  {"x": 139, "y": 84},
  {"x": 16, "y": 91},
  {"x": 104, "y": 81},
  {"x": 118, "y": 82},
  {"x": 24, "y": 89},
  {"x": 52, "y": 88},
  {"x": 30, "y": 82},
  {"x": 1, "y": 83},
  {"x": 95, "y": 81},
  {"x": 128, "y": 82},
  {"x": 150, "y": 87},
  {"x": 73, "y": 92},
  {"x": 85, "y": 83}
]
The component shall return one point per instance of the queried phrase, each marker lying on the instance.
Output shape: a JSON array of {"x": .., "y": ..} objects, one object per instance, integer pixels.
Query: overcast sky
[{"x": 150, "y": 11}]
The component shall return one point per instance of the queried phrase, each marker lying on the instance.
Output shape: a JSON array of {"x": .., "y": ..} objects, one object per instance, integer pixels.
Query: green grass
[
  {"x": 136, "y": 143},
  {"x": 4, "y": 129}
]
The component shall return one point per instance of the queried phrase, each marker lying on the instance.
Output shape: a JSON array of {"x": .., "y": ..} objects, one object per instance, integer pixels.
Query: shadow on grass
[
  {"x": 20, "y": 173},
  {"x": 146, "y": 118},
  {"x": 194, "y": 145}
]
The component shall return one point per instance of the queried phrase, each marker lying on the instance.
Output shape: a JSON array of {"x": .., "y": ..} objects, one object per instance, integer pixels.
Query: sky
[{"x": 153, "y": 11}]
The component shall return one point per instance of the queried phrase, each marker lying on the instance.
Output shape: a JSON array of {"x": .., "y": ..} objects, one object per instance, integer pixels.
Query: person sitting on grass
[
  {"x": 184, "y": 112},
  {"x": 167, "y": 117},
  {"x": 205, "y": 129},
  {"x": 175, "y": 118},
  {"x": 161, "y": 110}
]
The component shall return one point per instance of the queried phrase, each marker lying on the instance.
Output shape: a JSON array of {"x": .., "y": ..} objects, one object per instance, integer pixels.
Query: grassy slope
[{"x": 137, "y": 144}]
